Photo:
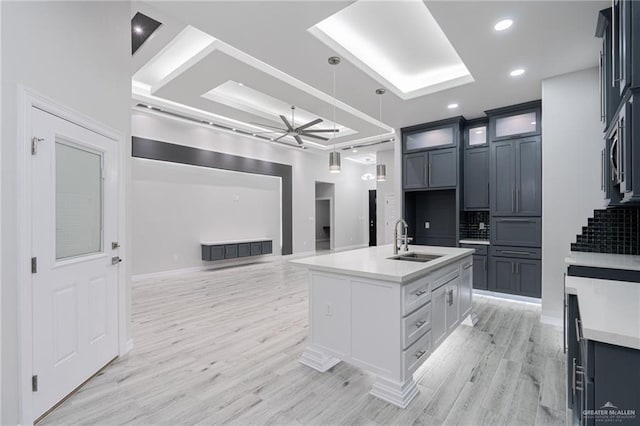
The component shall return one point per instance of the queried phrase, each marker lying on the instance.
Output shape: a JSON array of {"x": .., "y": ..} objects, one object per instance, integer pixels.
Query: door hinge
[
  {"x": 34, "y": 383},
  {"x": 34, "y": 265},
  {"x": 34, "y": 145}
]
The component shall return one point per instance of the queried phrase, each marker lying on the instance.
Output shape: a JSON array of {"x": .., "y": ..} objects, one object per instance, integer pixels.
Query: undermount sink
[{"x": 415, "y": 257}]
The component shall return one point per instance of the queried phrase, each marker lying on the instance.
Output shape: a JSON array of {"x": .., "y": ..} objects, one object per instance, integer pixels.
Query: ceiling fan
[{"x": 296, "y": 132}]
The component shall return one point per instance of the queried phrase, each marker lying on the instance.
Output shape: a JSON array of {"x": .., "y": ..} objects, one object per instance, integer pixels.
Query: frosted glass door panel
[
  {"x": 78, "y": 201},
  {"x": 478, "y": 135},
  {"x": 429, "y": 139},
  {"x": 516, "y": 124}
]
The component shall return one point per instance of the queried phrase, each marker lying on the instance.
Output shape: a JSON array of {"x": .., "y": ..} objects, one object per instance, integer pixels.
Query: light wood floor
[{"x": 222, "y": 347}]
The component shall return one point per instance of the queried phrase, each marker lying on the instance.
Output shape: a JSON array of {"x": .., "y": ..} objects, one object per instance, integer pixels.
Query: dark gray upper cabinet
[
  {"x": 476, "y": 179},
  {"x": 476, "y": 133},
  {"x": 415, "y": 170},
  {"x": 442, "y": 168},
  {"x": 516, "y": 177},
  {"x": 515, "y": 121},
  {"x": 503, "y": 178},
  {"x": 528, "y": 177},
  {"x": 435, "y": 135},
  {"x": 431, "y": 169}
]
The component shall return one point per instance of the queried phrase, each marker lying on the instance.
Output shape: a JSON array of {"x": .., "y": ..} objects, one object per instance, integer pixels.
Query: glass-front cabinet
[{"x": 435, "y": 137}]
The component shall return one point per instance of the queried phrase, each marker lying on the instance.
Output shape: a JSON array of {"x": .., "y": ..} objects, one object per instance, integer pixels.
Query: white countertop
[
  {"x": 604, "y": 260},
  {"x": 219, "y": 243},
  {"x": 374, "y": 262},
  {"x": 483, "y": 242},
  {"x": 609, "y": 310}
]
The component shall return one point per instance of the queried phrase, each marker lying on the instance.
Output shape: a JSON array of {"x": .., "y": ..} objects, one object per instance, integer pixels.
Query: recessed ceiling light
[
  {"x": 137, "y": 29},
  {"x": 452, "y": 106},
  {"x": 503, "y": 25},
  {"x": 149, "y": 106},
  {"x": 533, "y": 123},
  {"x": 478, "y": 132},
  {"x": 516, "y": 73},
  {"x": 354, "y": 150},
  {"x": 234, "y": 129}
]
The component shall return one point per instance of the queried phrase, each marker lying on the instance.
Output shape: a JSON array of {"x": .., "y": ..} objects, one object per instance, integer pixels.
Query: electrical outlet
[
  {"x": 329, "y": 310},
  {"x": 482, "y": 226},
  {"x": 427, "y": 225},
  {"x": 235, "y": 197}
]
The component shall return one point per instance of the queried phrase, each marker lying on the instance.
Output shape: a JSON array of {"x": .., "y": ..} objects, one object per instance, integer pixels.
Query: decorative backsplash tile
[
  {"x": 470, "y": 225},
  {"x": 614, "y": 230}
]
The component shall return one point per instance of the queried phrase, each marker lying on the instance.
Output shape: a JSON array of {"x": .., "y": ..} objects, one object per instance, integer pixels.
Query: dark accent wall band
[{"x": 164, "y": 151}]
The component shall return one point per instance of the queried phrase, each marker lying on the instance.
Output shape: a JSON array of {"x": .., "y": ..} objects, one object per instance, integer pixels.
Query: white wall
[
  {"x": 383, "y": 189},
  {"x": 177, "y": 206},
  {"x": 79, "y": 55},
  {"x": 571, "y": 144},
  {"x": 350, "y": 200}
]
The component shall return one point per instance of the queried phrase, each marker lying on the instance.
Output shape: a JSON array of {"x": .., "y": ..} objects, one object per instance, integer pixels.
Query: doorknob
[{"x": 115, "y": 260}]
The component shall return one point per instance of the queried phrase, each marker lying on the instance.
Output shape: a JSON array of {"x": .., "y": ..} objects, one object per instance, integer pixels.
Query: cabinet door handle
[
  {"x": 513, "y": 198},
  {"x": 621, "y": 146},
  {"x": 513, "y": 268},
  {"x": 573, "y": 376},
  {"x": 517, "y": 268},
  {"x": 613, "y": 43},
  {"x": 419, "y": 354},
  {"x": 484, "y": 263},
  {"x": 420, "y": 292},
  {"x": 517, "y": 199},
  {"x": 429, "y": 172},
  {"x": 602, "y": 117},
  {"x": 515, "y": 252},
  {"x": 425, "y": 174},
  {"x": 420, "y": 323},
  {"x": 602, "y": 170},
  {"x": 564, "y": 313},
  {"x": 579, "y": 335}
]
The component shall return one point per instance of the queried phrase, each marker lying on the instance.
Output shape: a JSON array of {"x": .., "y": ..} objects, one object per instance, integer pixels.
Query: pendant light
[
  {"x": 334, "y": 157},
  {"x": 381, "y": 169}
]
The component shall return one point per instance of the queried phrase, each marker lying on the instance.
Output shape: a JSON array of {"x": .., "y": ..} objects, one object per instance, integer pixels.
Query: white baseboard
[
  {"x": 554, "y": 321},
  {"x": 214, "y": 265},
  {"x": 507, "y": 296}
]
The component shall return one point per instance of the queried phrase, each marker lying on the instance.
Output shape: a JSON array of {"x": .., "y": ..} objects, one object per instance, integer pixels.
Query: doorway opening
[
  {"x": 324, "y": 216},
  {"x": 373, "y": 221}
]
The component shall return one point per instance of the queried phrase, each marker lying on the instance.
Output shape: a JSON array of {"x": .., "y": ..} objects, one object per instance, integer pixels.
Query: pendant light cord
[{"x": 334, "y": 107}]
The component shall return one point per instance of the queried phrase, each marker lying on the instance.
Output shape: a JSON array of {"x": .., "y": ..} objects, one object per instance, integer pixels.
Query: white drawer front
[
  {"x": 415, "y": 325},
  {"x": 417, "y": 353},
  {"x": 447, "y": 276},
  {"x": 415, "y": 295}
]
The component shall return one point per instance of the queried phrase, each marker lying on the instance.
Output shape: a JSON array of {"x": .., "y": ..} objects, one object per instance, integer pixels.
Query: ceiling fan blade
[
  {"x": 297, "y": 138},
  {"x": 308, "y": 135},
  {"x": 269, "y": 126},
  {"x": 286, "y": 123},
  {"x": 279, "y": 137},
  {"x": 322, "y": 131},
  {"x": 309, "y": 124},
  {"x": 273, "y": 131}
]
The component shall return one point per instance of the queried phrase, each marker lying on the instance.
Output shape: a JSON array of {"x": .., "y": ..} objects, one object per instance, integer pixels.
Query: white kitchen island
[{"x": 385, "y": 316}]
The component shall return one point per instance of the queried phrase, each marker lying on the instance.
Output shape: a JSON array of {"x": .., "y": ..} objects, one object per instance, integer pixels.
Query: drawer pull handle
[
  {"x": 468, "y": 266},
  {"x": 420, "y": 354},
  {"x": 420, "y": 323},
  {"x": 516, "y": 220},
  {"x": 420, "y": 292},
  {"x": 514, "y": 252}
]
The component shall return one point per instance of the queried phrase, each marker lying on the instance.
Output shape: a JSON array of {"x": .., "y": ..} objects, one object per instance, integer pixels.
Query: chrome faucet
[{"x": 404, "y": 238}]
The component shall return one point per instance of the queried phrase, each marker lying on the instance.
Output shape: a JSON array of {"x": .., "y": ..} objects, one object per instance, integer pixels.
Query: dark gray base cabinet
[
  {"x": 599, "y": 373},
  {"x": 515, "y": 276},
  {"x": 480, "y": 272}
]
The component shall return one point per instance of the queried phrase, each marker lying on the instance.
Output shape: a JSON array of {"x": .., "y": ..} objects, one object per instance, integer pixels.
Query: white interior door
[{"x": 74, "y": 222}]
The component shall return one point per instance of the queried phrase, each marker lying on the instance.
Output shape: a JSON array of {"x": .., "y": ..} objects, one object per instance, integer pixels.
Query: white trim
[
  {"x": 129, "y": 346},
  {"x": 554, "y": 321},
  {"x": 28, "y": 99},
  {"x": 507, "y": 296},
  {"x": 218, "y": 264}
]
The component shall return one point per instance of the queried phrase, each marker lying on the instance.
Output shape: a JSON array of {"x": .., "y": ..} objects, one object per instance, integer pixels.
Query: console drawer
[
  {"x": 416, "y": 354},
  {"x": 415, "y": 294},
  {"x": 415, "y": 325}
]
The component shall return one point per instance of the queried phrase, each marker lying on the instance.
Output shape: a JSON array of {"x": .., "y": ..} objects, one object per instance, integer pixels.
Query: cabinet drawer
[
  {"x": 416, "y": 354},
  {"x": 244, "y": 250},
  {"x": 479, "y": 248},
  {"x": 256, "y": 249},
  {"x": 267, "y": 247},
  {"x": 445, "y": 275},
  {"x": 511, "y": 231},
  {"x": 415, "y": 325},
  {"x": 521, "y": 252},
  {"x": 230, "y": 251},
  {"x": 415, "y": 294}
]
